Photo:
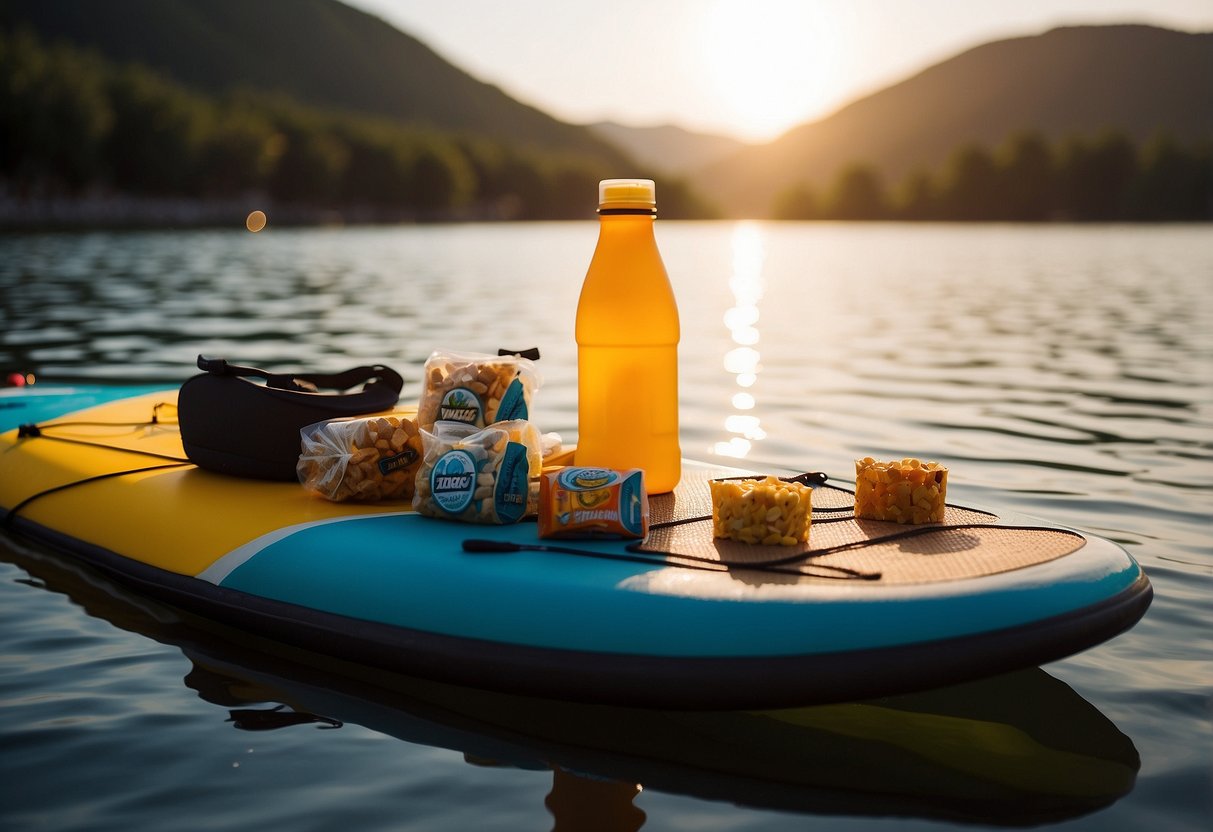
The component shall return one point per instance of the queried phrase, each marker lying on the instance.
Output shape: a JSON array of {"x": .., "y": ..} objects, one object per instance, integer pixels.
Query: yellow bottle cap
[{"x": 618, "y": 193}]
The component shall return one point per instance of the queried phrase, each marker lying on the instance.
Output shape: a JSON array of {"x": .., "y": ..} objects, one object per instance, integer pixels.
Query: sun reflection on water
[{"x": 744, "y": 361}]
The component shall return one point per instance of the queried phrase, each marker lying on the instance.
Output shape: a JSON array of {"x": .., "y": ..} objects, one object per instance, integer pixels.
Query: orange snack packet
[{"x": 593, "y": 502}]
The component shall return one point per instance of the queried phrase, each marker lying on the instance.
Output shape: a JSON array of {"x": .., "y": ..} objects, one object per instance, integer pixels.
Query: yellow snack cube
[
  {"x": 909, "y": 491},
  {"x": 767, "y": 511}
]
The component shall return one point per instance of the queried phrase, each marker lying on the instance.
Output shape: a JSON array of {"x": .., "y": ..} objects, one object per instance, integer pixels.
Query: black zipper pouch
[{"x": 234, "y": 424}]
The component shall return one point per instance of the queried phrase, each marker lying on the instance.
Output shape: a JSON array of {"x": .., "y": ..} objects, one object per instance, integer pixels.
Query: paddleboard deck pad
[{"x": 864, "y": 608}]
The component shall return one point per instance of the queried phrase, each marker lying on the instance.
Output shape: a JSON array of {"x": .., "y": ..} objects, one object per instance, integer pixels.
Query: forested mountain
[
  {"x": 307, "y": 106},
  {"x": 319, "y": 52},
  {"x": 1135, "y": 80},
  {"x": 668, "y": 147},
  {"x": 312, "y": 103}
]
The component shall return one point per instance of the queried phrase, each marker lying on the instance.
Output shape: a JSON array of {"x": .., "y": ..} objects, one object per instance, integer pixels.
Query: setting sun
[{"x": 771, "y": 64}]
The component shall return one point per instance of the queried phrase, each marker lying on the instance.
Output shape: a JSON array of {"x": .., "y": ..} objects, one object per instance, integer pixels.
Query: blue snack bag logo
[{"x": 453, "y": 481}]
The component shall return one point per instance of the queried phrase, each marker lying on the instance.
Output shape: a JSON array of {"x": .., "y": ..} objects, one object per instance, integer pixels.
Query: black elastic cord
[
  {"x": 12, "y": 512},
  {"x": 88, "y": 444},
  {"x": 483, "y": 546},
  {"x": 638, "y": 555},
  {"x": 779, "y": 564},
  {"x": 35, "y": 431},
  {"x": 813, "y": 479},
  {"x": 846, "y": 572},
  {"x": 32, "y": 431},
  {"x": 803, "y": 560},
  {"x": 479, "y": 546},
  {"x": 789, "y": 560}
]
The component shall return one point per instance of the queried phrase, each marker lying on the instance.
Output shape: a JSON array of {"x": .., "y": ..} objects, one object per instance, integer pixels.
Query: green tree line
[
  {"x": 72, "y": 122},
  {"x": 1099, "y": 178}
]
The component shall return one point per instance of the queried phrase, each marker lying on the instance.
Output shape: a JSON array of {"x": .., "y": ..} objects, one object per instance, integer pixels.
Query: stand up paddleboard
[
  {"x": 1017, "y": 749},
  {"x": 680, "y": 620}
]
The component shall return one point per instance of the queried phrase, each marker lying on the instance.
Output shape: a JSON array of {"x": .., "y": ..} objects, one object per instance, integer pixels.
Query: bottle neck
[
  {"x": 634, "y": 234},
  {"x": 629, "y": 221},
  {"x": 628, "y": 212}
]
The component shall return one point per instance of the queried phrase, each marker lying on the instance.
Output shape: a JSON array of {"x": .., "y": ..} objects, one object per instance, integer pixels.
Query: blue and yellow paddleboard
[
  {"x": 665, "y": 623},
  {"x": 1016, "y": 749}
]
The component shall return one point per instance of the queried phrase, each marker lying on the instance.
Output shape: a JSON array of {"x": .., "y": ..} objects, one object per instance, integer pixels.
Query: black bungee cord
[{"x": 35, "y": 431}]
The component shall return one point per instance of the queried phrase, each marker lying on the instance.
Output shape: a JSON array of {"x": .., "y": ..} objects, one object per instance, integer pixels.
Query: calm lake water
[{"x": 1062, "y": 372}]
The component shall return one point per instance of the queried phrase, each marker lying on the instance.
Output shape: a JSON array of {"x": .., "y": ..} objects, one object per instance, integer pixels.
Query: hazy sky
[{"x": 748, "y": 68}]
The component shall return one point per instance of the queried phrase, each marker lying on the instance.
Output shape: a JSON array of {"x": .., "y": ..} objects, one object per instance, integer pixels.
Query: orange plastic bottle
[{"x": 627, "y": 344}]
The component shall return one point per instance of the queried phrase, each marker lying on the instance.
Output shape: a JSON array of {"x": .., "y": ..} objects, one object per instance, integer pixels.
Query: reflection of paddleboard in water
[
  {"x": 1017, "y": 749},
  {"x": 680, "y": 620}
]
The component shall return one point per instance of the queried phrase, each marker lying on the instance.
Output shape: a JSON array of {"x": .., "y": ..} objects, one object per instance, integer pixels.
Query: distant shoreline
[
  {"x": 127, "y": 211},
  {"x": 115, "y": 212}
]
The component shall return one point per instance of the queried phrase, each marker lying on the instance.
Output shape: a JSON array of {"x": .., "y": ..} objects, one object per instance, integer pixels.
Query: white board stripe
[{"x": 233, "y": 560}]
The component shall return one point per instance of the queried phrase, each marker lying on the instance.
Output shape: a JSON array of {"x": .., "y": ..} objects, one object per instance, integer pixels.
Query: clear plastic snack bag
[
  {"x": 476, "y": 389},
  {"x": 372, "y": 458},
  {"x": 478, "y": 475}
]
